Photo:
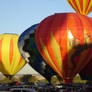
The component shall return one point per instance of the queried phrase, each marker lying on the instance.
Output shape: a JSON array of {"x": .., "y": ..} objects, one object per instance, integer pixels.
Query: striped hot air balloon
[
  {"x": 81, "y": 6},
  {"x": 10, "y": 59},
  {"x": 64, "y": 40}
]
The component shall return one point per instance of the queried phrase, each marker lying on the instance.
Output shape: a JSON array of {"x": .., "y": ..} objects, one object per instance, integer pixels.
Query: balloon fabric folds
[
  {"x": 11, "y": 60},
  {"x": 65, "y": 42},
  {"x": 81, "y": 6},
  {"x": 29, "y": 51},
  {"x": 86, "y": 73}
]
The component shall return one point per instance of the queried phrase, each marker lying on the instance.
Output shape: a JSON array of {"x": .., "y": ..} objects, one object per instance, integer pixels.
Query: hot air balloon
[
  {"x": 11, "y": 60},
  {"x": 81, "y": 6},
  {"x": 29, "y": 51},
  {"x": 65, "y": 42}
]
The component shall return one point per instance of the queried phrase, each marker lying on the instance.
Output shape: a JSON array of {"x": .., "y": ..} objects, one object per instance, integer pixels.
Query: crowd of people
[
  {"x": 83, "y": 88},
  {"x": 26, "y": 87}
]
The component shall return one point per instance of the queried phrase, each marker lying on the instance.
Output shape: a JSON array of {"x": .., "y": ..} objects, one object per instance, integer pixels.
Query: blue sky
[{"x": 18, "y": 15}]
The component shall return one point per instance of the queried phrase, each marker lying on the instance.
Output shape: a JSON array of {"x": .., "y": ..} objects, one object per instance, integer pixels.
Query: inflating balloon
[
  {"x": 65, "y": 42},
  {"x": 31, "y": 54},
  {"x": 81, "y": 6},
  {"x": 11, "y": 60}
]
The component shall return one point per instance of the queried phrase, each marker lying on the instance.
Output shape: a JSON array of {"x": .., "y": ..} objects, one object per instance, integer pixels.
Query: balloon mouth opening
[{"x": 9, "y": 76}]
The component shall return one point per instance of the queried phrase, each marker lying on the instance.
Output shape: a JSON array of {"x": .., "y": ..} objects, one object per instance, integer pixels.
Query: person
[{"x": 17, "y": 83}]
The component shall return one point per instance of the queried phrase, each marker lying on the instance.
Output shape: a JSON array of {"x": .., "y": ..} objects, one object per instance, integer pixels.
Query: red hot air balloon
[
  {"x": 83, "y": 7},
  {"x": 64, "y": 40}
]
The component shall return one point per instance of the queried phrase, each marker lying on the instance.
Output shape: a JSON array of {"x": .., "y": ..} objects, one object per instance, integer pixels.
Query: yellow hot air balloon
[
  {"x": 81, "y": 6},
  {"x": 10, "y": 59}
]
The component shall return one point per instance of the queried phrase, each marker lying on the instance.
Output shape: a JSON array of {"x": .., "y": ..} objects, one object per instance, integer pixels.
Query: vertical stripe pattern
[
  {"x": 65, "y": 43},
  {"x": 11, "y": 50},
  {"x": 10, "y": 59},
  {"x": 81, "y": 6}
]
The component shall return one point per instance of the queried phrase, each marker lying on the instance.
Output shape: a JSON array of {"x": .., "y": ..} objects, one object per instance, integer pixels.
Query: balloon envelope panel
[
  {"x": 86, "y": 73},
  {"x": 11, "y": 60},
  {"x": 31, "y": 54}
]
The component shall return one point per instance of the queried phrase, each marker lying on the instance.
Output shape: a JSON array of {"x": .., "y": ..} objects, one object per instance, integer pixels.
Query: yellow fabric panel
[
  {"x": 5, "y": 66},
  {"x": 56, "y": 48},
  {"x": 16, "y": 55},
  {"x": 84, "y": 6},
  {"x": 90, "y": 6},
  {"x": 87, "y": 39},
  {"x": 19, "y": 66},
  {"x": 47, "y": 55},
  {"x": 5, "y": 54},
  {"x": 78, "y": 4}
]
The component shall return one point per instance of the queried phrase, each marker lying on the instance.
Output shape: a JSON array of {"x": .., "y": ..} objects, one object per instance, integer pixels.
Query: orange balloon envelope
[
  {"x": 81, "y": 6},
  {"x": 10, "y": 59},
  {"x": 64, "y": 40}
]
